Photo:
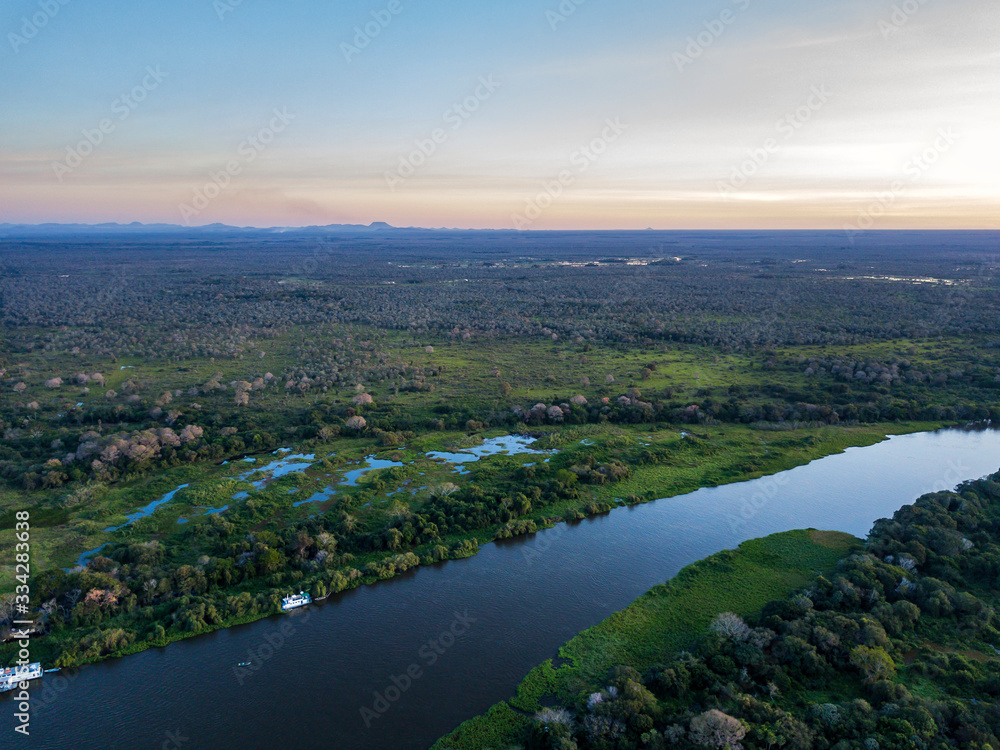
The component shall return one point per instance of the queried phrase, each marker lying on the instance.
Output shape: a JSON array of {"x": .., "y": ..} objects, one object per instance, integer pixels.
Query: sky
[{"x": 528, "y": 114}]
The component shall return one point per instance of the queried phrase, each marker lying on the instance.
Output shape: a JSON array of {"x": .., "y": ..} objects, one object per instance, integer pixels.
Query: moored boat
[
  {"x": 10, "y": 677},
  {"x": 295, "y": 601}
]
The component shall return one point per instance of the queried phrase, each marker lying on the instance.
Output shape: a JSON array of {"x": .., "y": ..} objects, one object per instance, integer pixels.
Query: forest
[{"x": 199, "y": 423}]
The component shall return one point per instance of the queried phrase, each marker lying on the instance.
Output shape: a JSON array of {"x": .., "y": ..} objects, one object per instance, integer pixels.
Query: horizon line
[{"x": 376, "y": 226}]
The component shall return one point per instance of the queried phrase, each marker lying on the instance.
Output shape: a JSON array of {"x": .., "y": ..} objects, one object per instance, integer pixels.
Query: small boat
[
  {"x": 11, "y": 677},
  {"x": 244, "y": 664},
  {"x": 50, "y": 671},
  {"x": 295, "y": 601}
]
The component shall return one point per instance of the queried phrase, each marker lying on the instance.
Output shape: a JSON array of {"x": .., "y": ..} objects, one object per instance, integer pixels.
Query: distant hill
[{"x": 135, "y": 228}]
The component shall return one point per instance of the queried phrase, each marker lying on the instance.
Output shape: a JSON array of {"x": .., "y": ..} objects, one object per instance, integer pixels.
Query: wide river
[{"x": 512, "y": 606}]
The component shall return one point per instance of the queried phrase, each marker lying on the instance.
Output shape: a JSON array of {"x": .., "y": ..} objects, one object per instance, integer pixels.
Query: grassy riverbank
[
  {"x": 668, "y": 618},
  {"x": 661, "y": 462},
  {"x": 805, "y": 640}
]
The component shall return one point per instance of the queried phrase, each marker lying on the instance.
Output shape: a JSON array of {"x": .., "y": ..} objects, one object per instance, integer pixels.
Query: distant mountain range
[
  {"x": 831, "y": 237},
  {"x": 46, "y": 230}
]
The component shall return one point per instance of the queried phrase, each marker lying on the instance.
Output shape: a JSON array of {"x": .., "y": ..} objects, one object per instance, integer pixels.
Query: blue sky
[{"x": 737, "y": 113}]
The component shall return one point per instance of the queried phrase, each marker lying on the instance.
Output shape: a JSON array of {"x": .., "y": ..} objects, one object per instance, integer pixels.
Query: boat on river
[
  {"x": 10, "y": 677},
  {"x": 301, "y": 599}
]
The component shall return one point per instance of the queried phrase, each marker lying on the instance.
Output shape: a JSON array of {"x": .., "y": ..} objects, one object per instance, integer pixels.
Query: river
[{"x": 468, "y": 630}]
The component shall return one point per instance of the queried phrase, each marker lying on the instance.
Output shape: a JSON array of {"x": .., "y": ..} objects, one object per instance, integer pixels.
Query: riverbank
[
  {"x": 321, "y": 667},
  {"x": 668, "y": 618},
  {"x": 892, "y": 643},
  {"x": 661, "y": 463}
]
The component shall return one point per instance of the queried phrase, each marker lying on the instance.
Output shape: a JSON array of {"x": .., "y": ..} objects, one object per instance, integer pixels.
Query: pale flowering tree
[
  {"x": 578, "y": 401},
  {"x": 445, "y": 490},
  {"x": 114, "y": 450},
  {"x": 53, "y": 383},
  {"x": 730, "y": 626},
  {"x": 356, "y": 423},
  {"x": 363, "y": 399},
  {"x": 191, "y": 432},
  {"x": 168, "y": 437},
  {"x": 554, "y": 716},
  {"x": 716, "y": 730},
  {"x": 20, "y": 387},
  {"x": 429, "y": 349}
]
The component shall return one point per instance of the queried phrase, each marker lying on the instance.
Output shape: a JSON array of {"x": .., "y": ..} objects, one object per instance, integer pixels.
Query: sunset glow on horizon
[{"x": 581, "y": 114}]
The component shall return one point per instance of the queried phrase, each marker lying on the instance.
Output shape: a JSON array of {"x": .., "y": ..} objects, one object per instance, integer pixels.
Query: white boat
[
  {"x": 11, "y": 676},
  {"x": 295, "y": 601}
]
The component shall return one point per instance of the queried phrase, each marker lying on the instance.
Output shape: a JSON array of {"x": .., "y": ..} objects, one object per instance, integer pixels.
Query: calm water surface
[{"x": 317, "y": 668}]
